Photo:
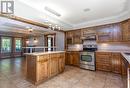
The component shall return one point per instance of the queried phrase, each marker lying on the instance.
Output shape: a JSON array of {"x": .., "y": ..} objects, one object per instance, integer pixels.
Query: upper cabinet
[
  {"x": 126, "y": 30},
  {"x": 86, "y": 31},
  {"x": 104, "y": 33},
  {"x": 109, "y": 33},
  {"x": 73, "y": 37},
  {"x": 77, "y": 37},
  {"x": 117, "y": 32}
]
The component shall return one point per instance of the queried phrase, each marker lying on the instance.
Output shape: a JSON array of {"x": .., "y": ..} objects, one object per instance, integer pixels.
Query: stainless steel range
[{"x": 87, "y": 56}]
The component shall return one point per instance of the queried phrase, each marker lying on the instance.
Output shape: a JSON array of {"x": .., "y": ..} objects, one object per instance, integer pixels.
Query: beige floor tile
[{"x": 13, "y": 76}]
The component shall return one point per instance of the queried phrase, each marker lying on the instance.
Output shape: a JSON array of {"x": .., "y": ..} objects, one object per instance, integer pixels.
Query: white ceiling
[
  {"x": 72, "y": 12},
  {"x": 12, "y": 26}
]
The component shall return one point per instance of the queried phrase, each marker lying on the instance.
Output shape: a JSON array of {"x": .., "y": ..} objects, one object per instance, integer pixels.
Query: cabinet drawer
[
  {"x": 54, "y": 55},
  {"x": 103, "y": 60},
  {"x": 103, "y": 67},
  {"x": 103, "y": 64},
  {"x": 43, "y": 58},
  {"x": 61, "y": 55}
]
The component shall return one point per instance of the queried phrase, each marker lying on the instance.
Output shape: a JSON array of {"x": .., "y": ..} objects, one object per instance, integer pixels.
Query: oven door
[{"x": 87, "y": 58}]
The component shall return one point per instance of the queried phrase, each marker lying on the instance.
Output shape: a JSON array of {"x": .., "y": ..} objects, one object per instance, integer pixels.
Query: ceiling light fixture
[
  {"x": 52, "y": 11},
  {"x": 30, "y": 30},
  {"x": 55, "y": 27},
  {"x": 27, "y": 41},
  {"x": 35, "y": 40}
]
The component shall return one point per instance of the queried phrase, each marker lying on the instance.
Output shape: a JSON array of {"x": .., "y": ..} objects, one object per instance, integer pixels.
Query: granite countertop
[{"x": 42, "y": 53}]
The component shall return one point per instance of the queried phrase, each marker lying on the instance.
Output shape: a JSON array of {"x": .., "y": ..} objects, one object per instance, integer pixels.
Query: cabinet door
[
  {"x": 69, "y": 37},
  {"x": 126, "y": 30},
  {"x": 123, "y": 66},
  {"x": 76, "y": 58},
  {"x": 53, "y": 64},
  {"x": 73, "y": 58},
  {"x": 104, "y": 33},
  {"x": 43, "y": 69},
  {"x": 116, "y": 63},
  {"x": 69, "y": 58},
  {"x": 103, "y": 61},
  {"x": 69, "y": 34},
  {"x": 117, "y": 33},
  {"x": 77, "y": 37},
  {"x": 124, "y": 71},
  {"x": 31, "y": 68},
  {"x": 61, "y": 62}
]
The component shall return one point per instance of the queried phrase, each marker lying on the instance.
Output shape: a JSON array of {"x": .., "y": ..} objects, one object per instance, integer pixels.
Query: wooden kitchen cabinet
[
  {"x": 124, "y": 73},
  {"x": 69, "y": 37},
  {"x": 126, "y": 30},
  {"x": 123, "y": 66},
  {"x": 103, "y": 61},
  {"x": 111, "y": 61},
  {"x": 53, "y": 64},
  {"x": 61, "y": 62},
  {"x": 77, "y": 37},
  {"x": 73, "y": 58},
  {"x": 69, "y": 58},
  {"x": 31, "y": 68},
  {"x": 76, "y": 58},
  {"x": 117, "y": 33},
  {"x": 109, "y": 33},
  {"x": 116, "y": 63},
  {"x": 104, "y": 33},
  {"x": 43, "y": 68},
  {"x": 73, "y": 37}
]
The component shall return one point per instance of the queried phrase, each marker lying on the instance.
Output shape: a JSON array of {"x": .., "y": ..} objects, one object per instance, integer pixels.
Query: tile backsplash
[
  {"x": 75, "y": 47},
  {"x": 114, "y": 46}
]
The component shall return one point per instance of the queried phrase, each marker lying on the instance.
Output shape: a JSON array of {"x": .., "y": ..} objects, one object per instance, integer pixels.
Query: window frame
[
  {"x": 15, "y": 44},
  {"x": 3, "y": 37}
]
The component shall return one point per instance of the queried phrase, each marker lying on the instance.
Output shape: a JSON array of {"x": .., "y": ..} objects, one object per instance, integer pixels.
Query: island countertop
[{"x": 42, "y": 53}]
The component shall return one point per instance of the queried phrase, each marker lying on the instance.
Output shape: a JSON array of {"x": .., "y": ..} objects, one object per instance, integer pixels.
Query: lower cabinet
[
  {"x": 116, "y": 63},
  {"x": 103, "y": 61},
  {"x": 113, "y": 62},
  {"x": 109, "y": 61},
  {"x": 72, "y": 58},
  {"x": 53, "y": 64},
  {"x": 43, "y": 67},
  {"x": 61, "y": 63},
  {"x": 124, "y": 71}
]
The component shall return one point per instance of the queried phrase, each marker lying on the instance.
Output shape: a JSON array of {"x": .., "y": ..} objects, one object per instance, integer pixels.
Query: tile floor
[{"x": 12, "y": 75}]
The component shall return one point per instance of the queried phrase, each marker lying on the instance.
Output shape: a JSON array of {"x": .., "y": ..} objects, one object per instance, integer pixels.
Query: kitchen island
[{"x": 43, "y": 65}]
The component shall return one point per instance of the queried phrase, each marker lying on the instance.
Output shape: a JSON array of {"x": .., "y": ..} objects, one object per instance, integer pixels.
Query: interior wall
[
  {"x": 40, "y": 41},
  {"x": 60, "y": 41}
]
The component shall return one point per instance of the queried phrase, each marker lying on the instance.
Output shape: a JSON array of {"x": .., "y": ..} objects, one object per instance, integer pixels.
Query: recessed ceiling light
[{"x": 86, "y": 10}]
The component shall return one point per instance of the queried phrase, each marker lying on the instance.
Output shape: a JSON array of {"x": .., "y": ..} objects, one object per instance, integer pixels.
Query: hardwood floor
[{"x": 12, "y": 75}]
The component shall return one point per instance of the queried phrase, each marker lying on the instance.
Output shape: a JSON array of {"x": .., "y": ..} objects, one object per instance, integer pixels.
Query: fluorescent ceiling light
[{"x": 52, "y": 11}]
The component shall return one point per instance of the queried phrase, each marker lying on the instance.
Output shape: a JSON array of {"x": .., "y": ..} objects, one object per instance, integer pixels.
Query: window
[
  {"x": 49, "y": 43},
  {"x": 18, "y": 44},
  {"x": 6, "y": 44}
]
